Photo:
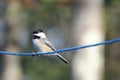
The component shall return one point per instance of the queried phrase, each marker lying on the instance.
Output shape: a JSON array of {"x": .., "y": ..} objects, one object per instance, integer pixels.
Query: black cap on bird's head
[
  {"x": 37, "y": 31},
  {"x": 40, "y": 30},
  {"x": 36, "y": 34}
]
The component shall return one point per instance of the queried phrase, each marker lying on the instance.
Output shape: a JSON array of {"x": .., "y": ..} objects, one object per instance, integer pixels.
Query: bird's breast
[{"x": 40, "y": 45}]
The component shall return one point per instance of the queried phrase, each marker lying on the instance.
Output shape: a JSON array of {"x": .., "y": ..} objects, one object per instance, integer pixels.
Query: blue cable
[{"x": 60, "y": 50}]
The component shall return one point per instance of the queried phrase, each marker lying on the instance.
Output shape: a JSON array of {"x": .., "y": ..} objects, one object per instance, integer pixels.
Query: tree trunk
[
  {"x": 88, "y": 64},
  {"x": 12, "y": 67}
]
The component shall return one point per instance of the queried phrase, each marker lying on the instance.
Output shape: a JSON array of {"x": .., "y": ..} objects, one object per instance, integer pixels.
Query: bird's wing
[
  {"x": 49, "y": 45},
  {"x": 53, "y": 48}
]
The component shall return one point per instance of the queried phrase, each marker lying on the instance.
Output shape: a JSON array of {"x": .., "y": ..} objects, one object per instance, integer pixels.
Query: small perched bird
[{"x": 41, "y": 43}]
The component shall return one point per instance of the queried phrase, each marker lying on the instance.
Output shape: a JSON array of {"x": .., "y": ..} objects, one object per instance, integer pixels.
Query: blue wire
[{"x": 61, "y": 50}]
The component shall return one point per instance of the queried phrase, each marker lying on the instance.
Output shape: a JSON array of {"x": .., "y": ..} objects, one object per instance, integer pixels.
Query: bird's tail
[{"x": 62, "y": 58}]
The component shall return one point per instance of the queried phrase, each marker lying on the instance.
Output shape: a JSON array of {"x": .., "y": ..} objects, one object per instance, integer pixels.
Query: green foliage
[
  {"x": 112, "y": 70},
  {"x": 50, "y": 14},
  {"x": 44, "y": 68}
]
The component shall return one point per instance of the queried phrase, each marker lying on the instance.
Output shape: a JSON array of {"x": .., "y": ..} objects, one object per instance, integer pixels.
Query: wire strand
[{"x": 60, "y": 50}]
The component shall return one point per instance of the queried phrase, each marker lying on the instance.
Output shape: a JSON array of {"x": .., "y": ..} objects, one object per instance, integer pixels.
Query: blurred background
[{"x": 67, "y": 23}]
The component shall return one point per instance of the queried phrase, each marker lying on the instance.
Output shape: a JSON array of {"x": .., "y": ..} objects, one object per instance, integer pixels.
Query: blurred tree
[
  {"x": 2, "y": 33},
  {"x": 113, "y": 31},
  {"x": 88, "y": 64},
  {"x": 12, "y": 68},
  {"x": 47, "y": 16},
  {"x": 29, "y": 4}
]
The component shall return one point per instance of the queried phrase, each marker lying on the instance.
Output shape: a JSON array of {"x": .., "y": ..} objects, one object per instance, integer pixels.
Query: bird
[{"x": 41, "y": 43}]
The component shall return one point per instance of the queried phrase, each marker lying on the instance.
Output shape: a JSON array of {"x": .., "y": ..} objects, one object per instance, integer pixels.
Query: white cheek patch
[{"x": 41, "y": 35}]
